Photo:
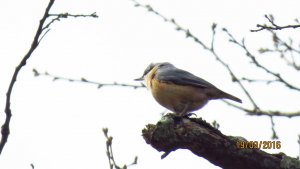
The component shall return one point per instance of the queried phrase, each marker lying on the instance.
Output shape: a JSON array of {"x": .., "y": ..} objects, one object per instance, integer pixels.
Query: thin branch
[
  {"x": 299, "y": 146},
  {"x": 171, "y": 21},
  {"x": 66, "y": 15},
  {"x": 273, "y": 25},
  {"x": 40, "y": 34},
  {"x": 279, "y": 42},
  {"x": 110, "y": 155},
  {"x": 259, "y": 65},
  {"x": 274, "y": 135},
  {"x": 283, "y": 48},
  {"x": 293, "y": 62},
  {"x": 213, "y": 28},
  {"x": 84, "y": 80},
  {"x": 57, "y": 17},
  {"x": 256, "y": 80},
  {"x": 43, "y": 35},
  {"x": 271, "y": 113},
  {"x": 5, "y": 127}
]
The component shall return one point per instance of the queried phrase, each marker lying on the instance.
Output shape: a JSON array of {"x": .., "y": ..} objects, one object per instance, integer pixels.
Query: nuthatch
[{"x": 180, "y": 91}]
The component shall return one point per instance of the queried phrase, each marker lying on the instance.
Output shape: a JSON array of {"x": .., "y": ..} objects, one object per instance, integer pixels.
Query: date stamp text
[{"x": 258, "y": 144}]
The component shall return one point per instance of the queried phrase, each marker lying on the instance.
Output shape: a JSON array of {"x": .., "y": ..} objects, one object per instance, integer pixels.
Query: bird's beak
[{"x": 139, "y": 79}]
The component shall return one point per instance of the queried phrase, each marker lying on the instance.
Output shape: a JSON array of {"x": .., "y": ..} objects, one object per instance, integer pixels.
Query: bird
[{"x": 180, "y": 91}]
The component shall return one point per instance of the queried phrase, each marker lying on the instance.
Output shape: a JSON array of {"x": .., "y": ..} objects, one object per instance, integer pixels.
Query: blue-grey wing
[{"x": 181, "y": 77}]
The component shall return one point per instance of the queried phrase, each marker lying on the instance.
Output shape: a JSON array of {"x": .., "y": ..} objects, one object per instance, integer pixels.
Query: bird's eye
[{"x": 162, "y": 65}]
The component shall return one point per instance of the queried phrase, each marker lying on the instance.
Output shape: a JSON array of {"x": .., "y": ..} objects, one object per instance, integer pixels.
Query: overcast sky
[{"x": 59, "y": 124}]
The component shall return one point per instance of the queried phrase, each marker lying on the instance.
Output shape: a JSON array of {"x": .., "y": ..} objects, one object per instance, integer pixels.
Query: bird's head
[{"x": 153, "y": 67}]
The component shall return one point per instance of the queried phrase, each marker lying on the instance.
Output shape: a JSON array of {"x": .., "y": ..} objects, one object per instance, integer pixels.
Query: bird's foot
[{"x": 186, "y": 115}]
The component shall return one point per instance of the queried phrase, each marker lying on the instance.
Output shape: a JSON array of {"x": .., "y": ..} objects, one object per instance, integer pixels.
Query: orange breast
[{"x": 176, "y": 97}]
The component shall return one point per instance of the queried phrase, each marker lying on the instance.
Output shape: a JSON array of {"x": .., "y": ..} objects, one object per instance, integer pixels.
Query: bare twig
[
  {"x": 213, "y": 28},
  {"x": 84, "y": 80},
  {"x": 110, "y": 155},
  {"x": 57, "y": 17},
  {"x": 40, "y": 33},
  {"x": 5, "y": 127},
  {"x": 259, "y": 112},
  {"x": 253, "y": 59},
  {"x": 256, "y": 80},
  {"x": 273, "y": 25},
  {"x": 282, "y": 53},
  {"x": 299, "y": 146},
  {"x": 66, "y": 15},
  {"x": 284, "y": 49},
  {"x": 171, "y": 21},
  {"x": 278, "y": 42},
  {"x": 274, "y": 135}
]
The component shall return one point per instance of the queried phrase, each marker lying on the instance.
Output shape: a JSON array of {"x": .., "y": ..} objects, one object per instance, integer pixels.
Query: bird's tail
[{"x": 231, "y": 97}]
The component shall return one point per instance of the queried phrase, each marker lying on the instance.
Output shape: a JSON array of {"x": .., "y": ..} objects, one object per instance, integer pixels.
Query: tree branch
[
  {"x": 57, "y": 17},
  {"x": 110, "y": 155},
  {"x": 278, "y": 42},
  {"x": 284, "y": 49},
  {"x": 254, "y": 61},
  {"x": 84, "y": 80},
  {"x": 273, "y": 25},
  {"x": 40, "y": 33},
  {"x": 5, "y": 127},
  {"x": 259, "y": 112},
  {"x": 172, "y": 133}
]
